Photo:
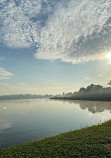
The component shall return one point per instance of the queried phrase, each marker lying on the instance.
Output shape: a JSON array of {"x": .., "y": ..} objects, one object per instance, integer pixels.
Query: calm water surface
[{"x": 28, "y": 120}]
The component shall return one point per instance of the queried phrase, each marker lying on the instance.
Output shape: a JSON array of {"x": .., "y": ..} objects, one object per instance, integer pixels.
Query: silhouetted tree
[{"x": 109, "y": 83}]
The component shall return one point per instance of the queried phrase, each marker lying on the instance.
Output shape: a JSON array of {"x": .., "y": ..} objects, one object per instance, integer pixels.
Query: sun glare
[{"x": 108, "y": 56}]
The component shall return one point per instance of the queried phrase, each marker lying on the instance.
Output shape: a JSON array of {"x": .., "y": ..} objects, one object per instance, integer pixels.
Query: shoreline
[
  {"x": 80, "y": 99},
  {"x": 92, "y": 141}
]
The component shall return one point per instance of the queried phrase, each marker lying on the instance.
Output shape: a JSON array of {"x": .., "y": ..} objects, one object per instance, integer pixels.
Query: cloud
[
  {"x": 87, "y": 78},
  {"x": 4, "y": 74},
  {"x": 22, "y": 20},
  {"x": 70, "y": 30}
]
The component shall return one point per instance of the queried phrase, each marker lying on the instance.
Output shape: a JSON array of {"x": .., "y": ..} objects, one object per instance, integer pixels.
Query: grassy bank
[{"x": 91, "y": 142}]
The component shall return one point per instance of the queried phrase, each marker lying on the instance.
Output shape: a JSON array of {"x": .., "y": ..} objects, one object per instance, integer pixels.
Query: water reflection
[
  {"x": 27, "y": 120},
  {"x": 91, "y": 106},
  {"x": 4, "y": 125},
  {"x": 95, "y": 107}
]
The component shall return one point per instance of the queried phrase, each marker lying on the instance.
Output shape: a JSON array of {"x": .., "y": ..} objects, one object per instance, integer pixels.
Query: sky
[{"x": 54, "y": 46}]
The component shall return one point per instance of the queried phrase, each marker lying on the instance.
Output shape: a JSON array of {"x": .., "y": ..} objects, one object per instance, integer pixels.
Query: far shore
[{"x": 82, "y": 99}]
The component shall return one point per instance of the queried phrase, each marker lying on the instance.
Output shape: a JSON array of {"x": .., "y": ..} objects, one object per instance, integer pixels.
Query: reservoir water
[{"x": 23, "y": 121}]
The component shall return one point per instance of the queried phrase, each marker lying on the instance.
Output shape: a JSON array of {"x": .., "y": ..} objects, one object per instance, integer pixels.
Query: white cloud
[
  {"x": 100, "y": 75},
  {"x": 16, "y": 27},
  {"x": 87, "y": 78},
  {"x": 76, "y": 31},
  {"x": 2, "y": 1},
  {"x": 80, "y": 32},
  {"x": 4, "y": 74}
]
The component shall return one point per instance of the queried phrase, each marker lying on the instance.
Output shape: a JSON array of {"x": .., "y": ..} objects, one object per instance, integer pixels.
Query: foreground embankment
[{"x": 91, "y": 142}]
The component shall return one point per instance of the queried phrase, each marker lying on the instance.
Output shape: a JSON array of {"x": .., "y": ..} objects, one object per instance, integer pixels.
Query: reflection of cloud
[
  {"x": 4, "y": 125},
  {"x": 4, "y": 74},
  {"x": 72, "y": 31}
]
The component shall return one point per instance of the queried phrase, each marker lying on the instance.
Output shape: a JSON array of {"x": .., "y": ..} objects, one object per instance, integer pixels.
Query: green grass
[{"x": 91, "y": 142}]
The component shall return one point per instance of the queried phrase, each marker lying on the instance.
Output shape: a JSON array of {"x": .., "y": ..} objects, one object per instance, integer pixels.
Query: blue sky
[{"x": 54, "y": 46}]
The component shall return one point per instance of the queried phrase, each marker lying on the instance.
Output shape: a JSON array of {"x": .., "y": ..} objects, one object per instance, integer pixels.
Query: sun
[{"x": 108, "y": 56}]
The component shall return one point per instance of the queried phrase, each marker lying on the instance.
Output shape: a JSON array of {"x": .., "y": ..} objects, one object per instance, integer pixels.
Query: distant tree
[
  {"x": 91, "y": 87},
  {"x": 94, "y": 87},
  {"x": 98, "y": 87},
  {"x": 82, "y": 89},
  {"x": 109, "y": 83}
]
